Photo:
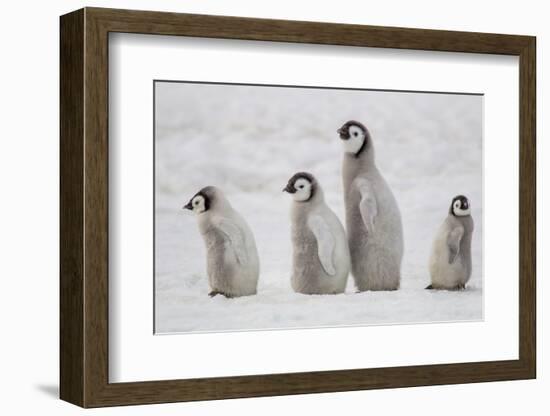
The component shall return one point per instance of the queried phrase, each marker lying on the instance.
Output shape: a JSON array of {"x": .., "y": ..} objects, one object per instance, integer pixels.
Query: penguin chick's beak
[
  {"x": 188, "y": 206},
  {"x": 344, "y": 134},
  {"x": 289, "y": 188}
]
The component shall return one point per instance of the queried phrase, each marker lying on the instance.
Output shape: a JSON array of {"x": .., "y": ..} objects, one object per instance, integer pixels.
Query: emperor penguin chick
[
  {"x": 373, "y": 219},
  {"x": 321, "y": 259},
  {"x": 232, "y": 260},
  {"x": 451, "y": 258}
]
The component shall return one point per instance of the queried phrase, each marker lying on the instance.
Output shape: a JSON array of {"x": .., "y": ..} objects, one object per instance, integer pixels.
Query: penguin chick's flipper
[
  {"x": 453, "y": 242},
  {"x": 367, "y": 206},
  {"x": 325, "y": 243},
  {"x": 429, "y": 287},
  {"x": 236, "y": 238}
]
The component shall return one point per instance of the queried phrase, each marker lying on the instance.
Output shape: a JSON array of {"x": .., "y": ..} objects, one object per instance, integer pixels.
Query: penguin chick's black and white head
[
  {"x": 460, "y": 207},
  {"x": 354, "y": 136},
  {"x": 301, "y": 186},
  {"x": 200, "y": 202}
]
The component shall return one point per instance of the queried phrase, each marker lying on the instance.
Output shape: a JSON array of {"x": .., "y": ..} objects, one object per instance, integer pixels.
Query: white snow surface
[{"x": 248, "y": 140}]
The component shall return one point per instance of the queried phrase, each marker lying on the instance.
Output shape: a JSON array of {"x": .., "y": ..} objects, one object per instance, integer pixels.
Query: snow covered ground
[{"x": 249, "y": 140}]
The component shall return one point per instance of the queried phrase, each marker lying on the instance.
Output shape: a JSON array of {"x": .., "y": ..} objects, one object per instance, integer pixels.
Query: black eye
[
  {"x": 196, "y": 202},
  {"x": 355, "y": 134},
  {"x": 301, "y": 186}
]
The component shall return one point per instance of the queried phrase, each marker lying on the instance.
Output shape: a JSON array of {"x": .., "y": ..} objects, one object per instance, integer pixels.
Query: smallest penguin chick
[
  {"x": 451, "y": 257},
  {"x": 321, "y": 259}
]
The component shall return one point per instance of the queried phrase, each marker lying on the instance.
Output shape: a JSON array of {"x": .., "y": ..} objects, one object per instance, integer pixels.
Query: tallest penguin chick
[{"x": 373, "y": 220}]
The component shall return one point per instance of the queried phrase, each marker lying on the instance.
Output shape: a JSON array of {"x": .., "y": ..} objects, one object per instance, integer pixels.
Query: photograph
[{"x": 280, "y": 207}]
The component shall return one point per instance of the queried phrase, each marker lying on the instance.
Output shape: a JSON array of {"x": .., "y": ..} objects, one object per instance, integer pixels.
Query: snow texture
[{"x": 248, "y": 140}]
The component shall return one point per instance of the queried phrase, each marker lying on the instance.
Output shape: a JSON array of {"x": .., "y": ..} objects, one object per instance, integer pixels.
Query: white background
[{"x": 29, "y": 209}]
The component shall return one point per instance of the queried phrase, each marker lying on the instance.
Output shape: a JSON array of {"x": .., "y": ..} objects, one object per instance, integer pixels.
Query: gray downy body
[
  {"x": 446, "y": 274},
  {"x": 308, "y": 274},
  {"x": 376, "y": 256},
  {"x": 232, "y": 262}
]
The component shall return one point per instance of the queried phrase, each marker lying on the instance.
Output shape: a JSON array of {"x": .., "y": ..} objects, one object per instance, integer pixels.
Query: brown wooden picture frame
[{"x": 84, "y": 207}]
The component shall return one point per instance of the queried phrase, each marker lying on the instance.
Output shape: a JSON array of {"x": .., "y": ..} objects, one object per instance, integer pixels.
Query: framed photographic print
[{"x": 255, "y": 207}]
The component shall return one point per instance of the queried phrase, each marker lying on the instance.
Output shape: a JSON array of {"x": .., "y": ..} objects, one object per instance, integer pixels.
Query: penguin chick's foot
[
  {"x": 215, "y": 293},
  {"x": 378, "y": 289},
  {"x": 456, "y": 288}
]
